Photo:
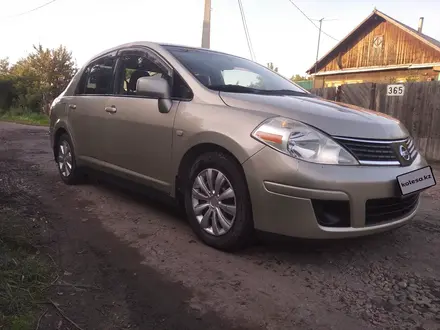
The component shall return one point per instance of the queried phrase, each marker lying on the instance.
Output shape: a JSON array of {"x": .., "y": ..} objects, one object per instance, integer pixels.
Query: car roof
[
  {"x": 194, "y": 48},
  {"x": 157, "y": 45}
]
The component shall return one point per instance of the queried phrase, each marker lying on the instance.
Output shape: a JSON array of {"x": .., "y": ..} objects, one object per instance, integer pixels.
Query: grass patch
[
  {"x": 25, "y": 117},
  {"x": 25, "y": 274}
]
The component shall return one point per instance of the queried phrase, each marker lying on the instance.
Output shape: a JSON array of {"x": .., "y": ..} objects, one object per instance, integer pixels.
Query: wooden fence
[{"x": 418, "y": 108}]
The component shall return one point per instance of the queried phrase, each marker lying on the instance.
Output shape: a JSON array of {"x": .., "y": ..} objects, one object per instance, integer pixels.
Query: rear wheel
[
  {"x": 66, "y": 162},
  {"x": 217, "y": 202}
]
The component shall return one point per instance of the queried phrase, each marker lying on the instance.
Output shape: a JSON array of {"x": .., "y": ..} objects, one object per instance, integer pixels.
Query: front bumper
[{"x": 283, "y": 191}]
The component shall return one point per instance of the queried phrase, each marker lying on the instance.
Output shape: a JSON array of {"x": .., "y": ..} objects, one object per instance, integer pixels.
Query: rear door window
[{"x": 97, "y": 78}]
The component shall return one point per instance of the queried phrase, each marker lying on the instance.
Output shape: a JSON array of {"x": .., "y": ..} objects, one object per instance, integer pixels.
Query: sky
[{"x": 278, "y": 31}]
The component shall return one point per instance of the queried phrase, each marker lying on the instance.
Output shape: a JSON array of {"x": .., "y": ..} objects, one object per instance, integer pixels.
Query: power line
[
  {"x": 311, "y": 21},
  {"x": 246, "y": 31},
  {"x": 31, "y": 10}
]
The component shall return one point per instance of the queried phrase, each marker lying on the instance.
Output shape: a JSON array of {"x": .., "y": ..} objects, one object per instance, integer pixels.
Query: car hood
[{"x": 334, "y": 118}]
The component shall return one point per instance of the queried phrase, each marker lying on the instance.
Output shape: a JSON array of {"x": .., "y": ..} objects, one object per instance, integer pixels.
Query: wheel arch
[{"x": 191, "y": 155}]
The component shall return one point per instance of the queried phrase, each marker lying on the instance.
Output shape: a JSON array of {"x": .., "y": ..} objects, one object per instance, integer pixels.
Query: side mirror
[{"x": 156, "y": 87}]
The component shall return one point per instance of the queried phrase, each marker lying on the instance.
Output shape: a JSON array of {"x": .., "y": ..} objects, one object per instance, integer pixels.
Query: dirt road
[{"x": 154, "y": 274}]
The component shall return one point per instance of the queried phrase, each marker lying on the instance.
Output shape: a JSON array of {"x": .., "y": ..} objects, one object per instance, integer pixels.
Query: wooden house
[{"x": 382, "y": 50}]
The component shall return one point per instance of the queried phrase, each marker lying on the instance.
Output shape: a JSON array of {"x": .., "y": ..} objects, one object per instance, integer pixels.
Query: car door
[
  {"x": 86, "y": 109},
  {"x": 139, "y": 137}
]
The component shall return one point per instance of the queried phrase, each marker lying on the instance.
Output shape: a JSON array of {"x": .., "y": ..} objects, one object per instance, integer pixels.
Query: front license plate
[{"x": 416, "y": 180}]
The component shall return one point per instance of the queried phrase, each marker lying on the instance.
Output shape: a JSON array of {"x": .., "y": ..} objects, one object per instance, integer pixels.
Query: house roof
[{"x": 376, "y": 13}]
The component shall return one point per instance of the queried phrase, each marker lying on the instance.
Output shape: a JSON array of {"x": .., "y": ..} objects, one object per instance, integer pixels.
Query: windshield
[{"x": 232, "y": 74}]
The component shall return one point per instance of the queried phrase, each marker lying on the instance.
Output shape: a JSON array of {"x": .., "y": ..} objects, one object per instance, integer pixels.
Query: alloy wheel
[
  {"x": 214, "y": 202},
  {"x": 65, "y": 162}
]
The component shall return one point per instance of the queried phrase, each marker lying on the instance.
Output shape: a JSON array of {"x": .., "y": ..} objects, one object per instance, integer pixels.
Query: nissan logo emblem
[{"x": 404, "y": 152}]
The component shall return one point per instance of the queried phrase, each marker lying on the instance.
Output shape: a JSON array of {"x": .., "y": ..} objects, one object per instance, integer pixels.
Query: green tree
[
  {"x": 43, "y": 75},
  {"x": 4, "y": 66},
  {"x": 271, "y": 66},
  {"x": 7, "y": 94},
  {"x": 298, "y": 77},
  {"x": 26, "y": 91},
  {"x": 259, "y": 84}
]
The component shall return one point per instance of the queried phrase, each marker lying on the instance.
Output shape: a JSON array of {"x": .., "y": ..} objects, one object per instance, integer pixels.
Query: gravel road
[{"x": 157, "y": 275}]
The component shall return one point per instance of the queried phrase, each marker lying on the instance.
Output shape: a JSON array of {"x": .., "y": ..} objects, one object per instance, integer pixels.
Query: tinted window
[
  {"x": 215, "y": 69},
  {"x": 97, "y": 78}
]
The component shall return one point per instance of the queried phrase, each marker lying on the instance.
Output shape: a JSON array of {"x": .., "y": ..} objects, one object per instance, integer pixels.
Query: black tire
[
  {"x": 241, "y": 232},
  {"x": 75, "y": 176}
]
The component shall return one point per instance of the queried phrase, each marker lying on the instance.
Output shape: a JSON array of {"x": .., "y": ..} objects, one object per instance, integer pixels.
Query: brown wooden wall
[
  {"x": 386, "y": 76},
  {"x": 399, "y": 47}
]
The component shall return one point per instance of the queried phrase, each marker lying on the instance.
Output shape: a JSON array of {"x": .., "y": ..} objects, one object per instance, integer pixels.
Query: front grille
[
  {"x": 388, "y": 209},
  {"x": 367, "y": 151},
  {"x": 378, "y": 152}
]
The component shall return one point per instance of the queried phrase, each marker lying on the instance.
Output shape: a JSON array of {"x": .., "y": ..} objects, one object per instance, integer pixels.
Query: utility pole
[
  {"x": 206, "y": 33},
  {"x": 317, "y": 49}
]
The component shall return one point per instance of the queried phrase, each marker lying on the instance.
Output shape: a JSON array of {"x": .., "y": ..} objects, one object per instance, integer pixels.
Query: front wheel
[
  {"x": 217, "y": 202},
  {"x": 66, "y": 162}
]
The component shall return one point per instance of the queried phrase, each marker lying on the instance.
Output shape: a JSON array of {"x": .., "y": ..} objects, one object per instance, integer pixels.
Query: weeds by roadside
[
  {"x": 25, "y": 273},
  {"x": 30, "y": 271},
  {"x": 24, "y": 117}
]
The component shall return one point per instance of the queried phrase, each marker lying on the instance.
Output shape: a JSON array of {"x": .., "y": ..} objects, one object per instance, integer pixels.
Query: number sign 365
[{"x": 395, "y": 90}]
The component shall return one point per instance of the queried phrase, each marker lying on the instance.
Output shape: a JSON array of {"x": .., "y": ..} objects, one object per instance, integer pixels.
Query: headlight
[{"x": 299, "y": 140}]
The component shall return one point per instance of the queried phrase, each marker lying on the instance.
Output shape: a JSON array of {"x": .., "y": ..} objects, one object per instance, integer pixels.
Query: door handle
[
  {"x": 72, "y": 106},
  {"x": 111, "y": 109}
]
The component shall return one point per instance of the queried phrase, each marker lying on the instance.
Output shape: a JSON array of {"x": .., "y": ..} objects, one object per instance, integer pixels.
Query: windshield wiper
[
  {"x": 243, "y": 89},
  {"x": 235, "y": 89},
  {"x": 288, "y": 92}
]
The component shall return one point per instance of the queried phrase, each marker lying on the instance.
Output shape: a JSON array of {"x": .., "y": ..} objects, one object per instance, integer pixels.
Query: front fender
[
  {"x": 240, "y": 151},
  {"x": 200, "y": 123}
]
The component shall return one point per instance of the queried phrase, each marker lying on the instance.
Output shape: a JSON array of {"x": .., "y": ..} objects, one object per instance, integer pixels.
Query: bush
[
  {"x": 7, "y": 92},
  {"x": 20, "y": 92}
]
